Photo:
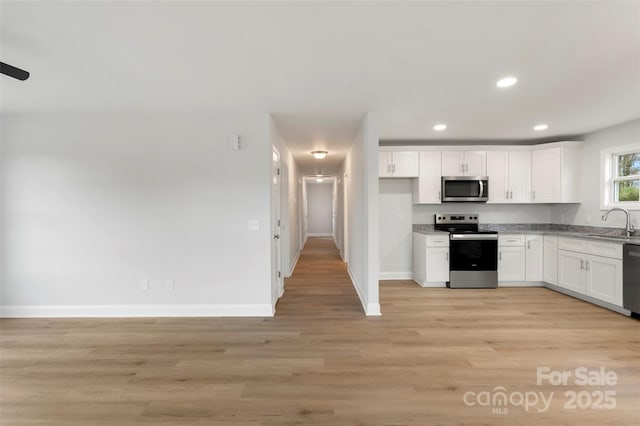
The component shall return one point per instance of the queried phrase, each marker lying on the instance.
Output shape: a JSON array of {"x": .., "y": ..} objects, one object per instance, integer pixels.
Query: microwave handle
[{"x": 481, "y": 188}]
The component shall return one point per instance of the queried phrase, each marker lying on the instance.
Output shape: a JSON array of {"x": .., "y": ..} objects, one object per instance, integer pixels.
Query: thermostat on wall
[{"x": 234, "y": 142}]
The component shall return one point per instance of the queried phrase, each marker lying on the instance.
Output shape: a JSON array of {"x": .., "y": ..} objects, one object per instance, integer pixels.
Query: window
[
  {"x": 626, "y": 180},
  {"x": 621, "y": 176}
]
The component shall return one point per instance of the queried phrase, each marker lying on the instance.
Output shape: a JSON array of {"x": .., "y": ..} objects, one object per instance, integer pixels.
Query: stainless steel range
[{"x": 473, "y": 259}]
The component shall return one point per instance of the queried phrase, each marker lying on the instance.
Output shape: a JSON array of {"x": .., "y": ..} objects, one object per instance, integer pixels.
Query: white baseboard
[
  {"x": 520, "y": 283},
  {"x": 116, "y": 311},
  {"x": 370, "y": 309},
  {"x": 395, "y": 275},
  {"x": 294, "y": 263},
  {"x": 441, "y": 284},
  {"x": 320, "y": 234}
]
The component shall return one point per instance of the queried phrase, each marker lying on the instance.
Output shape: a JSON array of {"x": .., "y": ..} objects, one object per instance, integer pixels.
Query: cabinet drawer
[
  {"x": 511, "y": 240},
  {"x": 612, "y": 250},
  {"x": 438, "y": 240},
  {"x": 572, "y": 245}
]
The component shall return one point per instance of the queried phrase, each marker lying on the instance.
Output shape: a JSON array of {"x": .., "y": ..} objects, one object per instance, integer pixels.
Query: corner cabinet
[
  {"x": 556, "y": 173},
  {"x": 398, "y": 164},
  {"x": 431, "y": 259}
]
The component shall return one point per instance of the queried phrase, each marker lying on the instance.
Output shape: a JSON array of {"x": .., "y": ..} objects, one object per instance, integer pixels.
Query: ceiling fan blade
[{"x": 14, "y": 72}]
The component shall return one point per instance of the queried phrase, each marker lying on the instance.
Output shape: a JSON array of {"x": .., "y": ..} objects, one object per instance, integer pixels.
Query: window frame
[{"x": 608, "y": 174}]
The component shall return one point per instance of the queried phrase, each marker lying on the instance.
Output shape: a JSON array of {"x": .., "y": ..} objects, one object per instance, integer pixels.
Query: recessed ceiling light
[
  {"x": 540, "y": 127},
  {"x": 439, "y": 127},
  {"x": 507, "y": 82},
  {"x": 319, "y": 154}
]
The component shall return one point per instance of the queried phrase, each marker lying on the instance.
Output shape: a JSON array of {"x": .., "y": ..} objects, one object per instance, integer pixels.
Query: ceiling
[{"x": 318, "y": 67}]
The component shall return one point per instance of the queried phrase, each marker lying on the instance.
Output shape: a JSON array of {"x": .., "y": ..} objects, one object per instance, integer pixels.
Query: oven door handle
[{"x": 486, "y": 237}]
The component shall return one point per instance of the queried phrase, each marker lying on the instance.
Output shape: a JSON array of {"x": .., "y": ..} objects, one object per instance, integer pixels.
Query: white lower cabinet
[
  {"x": 511, "y": 263},
  {"x": 604, "y": 279},
  {"x": 533, "y": 268},
  {"x": 550, "y": 260},
  {"x": 571, "y": 270},
  {"x": 595, "y": 276},
  {"x": 431, "y": 259}
]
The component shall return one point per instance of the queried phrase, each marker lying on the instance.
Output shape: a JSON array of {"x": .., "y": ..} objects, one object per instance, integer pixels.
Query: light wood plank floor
[{"x": 320, "y": 361}]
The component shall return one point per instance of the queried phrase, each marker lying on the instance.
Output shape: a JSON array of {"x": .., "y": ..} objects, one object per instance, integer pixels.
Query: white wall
[
  {"x": 589, "y": 213},
  {"x": 320, "y": 207},
  {"x": 396, "y": 220},
  {"x": 93, "y": 204},
  {"x": 360, "y": 177}
]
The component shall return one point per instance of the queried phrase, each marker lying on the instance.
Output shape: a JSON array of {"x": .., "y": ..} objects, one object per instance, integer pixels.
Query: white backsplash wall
[
  {"x": 589, "y": 213},
  {"x": 489, "y": 213}
]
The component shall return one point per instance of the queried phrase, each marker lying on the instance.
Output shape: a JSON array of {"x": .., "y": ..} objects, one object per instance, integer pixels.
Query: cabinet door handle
[
  {"x": 511, "y": 194},
  {"x": 499, "y": 255},
  {"x": 394, "y": 168},
  {"x": 439, "y": 196},
  {"x": 447, "y": 256},
  {"x": 533, "y": 194},
  {"x": 466, "y": 167},
  {"x": 581, "y": 264},
  {"x": 587, "y": 265},
  {"x": 529, "y": 245},
  {"x": 507, "y": 195},
  {"x": 388, "y": 168}
]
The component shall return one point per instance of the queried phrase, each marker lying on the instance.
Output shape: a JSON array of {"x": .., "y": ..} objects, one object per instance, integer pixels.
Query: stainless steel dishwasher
[{"x": 631, "y": 278}]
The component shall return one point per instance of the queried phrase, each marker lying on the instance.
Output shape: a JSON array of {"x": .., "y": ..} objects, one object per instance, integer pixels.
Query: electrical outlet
[
  {"x": 144, "y": 285},
  {"x": 171, "y": 285}
]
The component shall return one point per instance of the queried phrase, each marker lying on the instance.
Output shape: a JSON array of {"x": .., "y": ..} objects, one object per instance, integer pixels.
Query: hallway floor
[
  {"x": 320, "y": 361},
  {"x": 320, "y": 284}
]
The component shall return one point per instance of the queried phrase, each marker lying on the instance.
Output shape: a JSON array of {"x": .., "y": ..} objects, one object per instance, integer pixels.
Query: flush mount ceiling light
[
  {"x": 506, "y": 82},
  {"x": 319, "y": 154},
  {"x": 319, "y": 177},
  {"x": 439, "y": 127},
  {"x": 540, "y": 127}
]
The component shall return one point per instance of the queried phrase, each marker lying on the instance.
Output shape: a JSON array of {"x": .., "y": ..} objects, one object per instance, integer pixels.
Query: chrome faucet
[{"x": 630, "y": 230}]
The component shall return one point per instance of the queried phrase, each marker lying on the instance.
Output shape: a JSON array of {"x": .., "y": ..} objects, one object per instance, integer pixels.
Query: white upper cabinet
[
  {"x": 398, "y": 164},
  {"x": 498, "y": 173},
  {"x": 464, "y": 163},
  {"x": 556, "y": 174},
  {"x": 519, "y": 176},
  {"x": 426, "y": 189},
  {"x": 509, "y": 175},
  {"x": 545, "y": 175}
]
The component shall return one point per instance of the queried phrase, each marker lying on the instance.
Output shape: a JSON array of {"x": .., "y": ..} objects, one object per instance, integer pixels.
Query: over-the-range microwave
[{"x": 465, "y": 188}]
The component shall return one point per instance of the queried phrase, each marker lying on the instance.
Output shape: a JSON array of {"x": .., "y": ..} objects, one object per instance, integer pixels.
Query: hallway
[{"x": 320, "y": 284}]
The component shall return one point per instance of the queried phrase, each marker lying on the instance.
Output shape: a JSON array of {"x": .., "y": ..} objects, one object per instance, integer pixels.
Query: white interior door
[
  {"x": 276, "y": 240},
  {"x": 320, "y": 208}
]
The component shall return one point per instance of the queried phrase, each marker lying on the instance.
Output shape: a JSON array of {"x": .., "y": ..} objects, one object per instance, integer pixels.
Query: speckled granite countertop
[{"x": 615, "y": 235}]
